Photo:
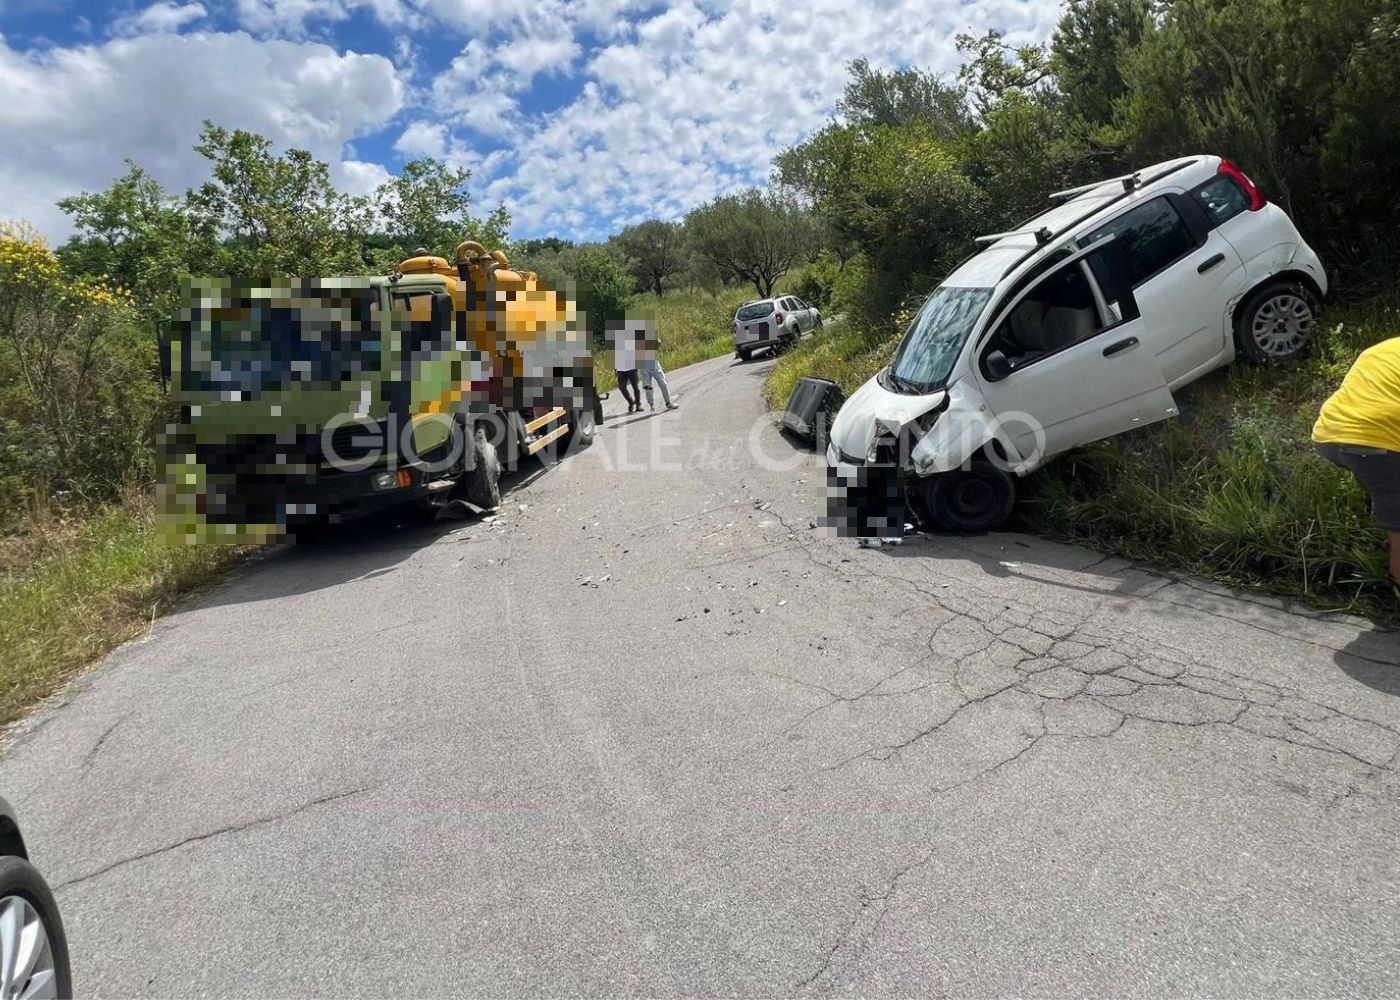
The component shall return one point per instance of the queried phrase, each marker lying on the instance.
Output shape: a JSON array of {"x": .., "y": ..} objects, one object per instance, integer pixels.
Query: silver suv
[{"x": 772, "y": 323}]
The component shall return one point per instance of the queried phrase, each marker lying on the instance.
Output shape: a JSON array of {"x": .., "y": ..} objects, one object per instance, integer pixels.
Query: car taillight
[
  {"x": 1256, "y": 197},
  {"x": 778, "y": 318}
]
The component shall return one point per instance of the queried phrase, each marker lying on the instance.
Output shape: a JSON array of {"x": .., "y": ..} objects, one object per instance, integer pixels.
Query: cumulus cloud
[
  {"x": 658, "y": 107},
  {"x": 160, "y": 17},
  {"x": 694, "y": 101},
  {"x": 73, "y": 115}
]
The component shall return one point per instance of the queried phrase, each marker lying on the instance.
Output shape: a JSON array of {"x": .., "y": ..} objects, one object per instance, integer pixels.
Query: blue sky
[{"x": 581, "y": 116}]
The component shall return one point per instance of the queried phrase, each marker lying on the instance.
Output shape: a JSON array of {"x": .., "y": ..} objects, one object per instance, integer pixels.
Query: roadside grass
[
  {"x": 1231, "y": 490},
  {"x": 695, "y": 324},
  {"x": 72, "y": 589}
]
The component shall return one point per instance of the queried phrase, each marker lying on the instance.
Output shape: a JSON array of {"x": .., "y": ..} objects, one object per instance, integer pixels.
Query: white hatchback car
[
  {"x": 1075, "y": 327},
  {"x": 774, "y": 323}
]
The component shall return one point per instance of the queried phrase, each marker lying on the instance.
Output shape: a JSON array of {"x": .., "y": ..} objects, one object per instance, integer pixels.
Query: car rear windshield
[
  {"x": 935, "y": 338},
  {"x": 1222, "y": 198},
  {"x": 755, "y": 310}
]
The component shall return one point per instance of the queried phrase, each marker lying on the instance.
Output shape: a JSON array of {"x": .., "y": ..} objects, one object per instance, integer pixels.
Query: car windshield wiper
[{"x": 902, "y": 384}]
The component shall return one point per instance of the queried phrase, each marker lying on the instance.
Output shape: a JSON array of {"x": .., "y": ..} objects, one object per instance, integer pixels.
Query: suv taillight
[
  {"x": 778, "y": 318},
  {"x": 1256, "y": 197}
]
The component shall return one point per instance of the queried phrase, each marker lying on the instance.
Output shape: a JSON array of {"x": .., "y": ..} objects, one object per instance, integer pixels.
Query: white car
[
  {"x": 773, "y": 323},
  {"x": 1075, "y": 327}
]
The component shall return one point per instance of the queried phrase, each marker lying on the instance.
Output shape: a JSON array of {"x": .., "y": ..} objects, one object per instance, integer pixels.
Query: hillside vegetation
[{"x": 1304, "y": 98}]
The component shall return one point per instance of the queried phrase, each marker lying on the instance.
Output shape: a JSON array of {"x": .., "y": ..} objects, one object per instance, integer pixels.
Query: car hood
[{"x": 873, "y": 410}]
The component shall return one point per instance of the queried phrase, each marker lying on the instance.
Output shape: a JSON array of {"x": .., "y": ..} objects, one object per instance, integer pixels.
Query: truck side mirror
[{"x": 996, "y": 366}]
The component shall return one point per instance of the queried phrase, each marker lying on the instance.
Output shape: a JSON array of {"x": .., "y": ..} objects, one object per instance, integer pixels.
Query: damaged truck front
[{"x": 306, "y": 401}]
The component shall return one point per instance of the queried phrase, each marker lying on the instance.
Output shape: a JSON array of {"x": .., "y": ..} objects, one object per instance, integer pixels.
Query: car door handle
[
  {"x": 1119, "y": 347},
  {"x": 1210, "y": 263}
]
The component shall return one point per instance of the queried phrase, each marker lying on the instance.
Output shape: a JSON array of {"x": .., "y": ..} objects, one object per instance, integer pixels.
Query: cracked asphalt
[{"x": 649, "y": 732}]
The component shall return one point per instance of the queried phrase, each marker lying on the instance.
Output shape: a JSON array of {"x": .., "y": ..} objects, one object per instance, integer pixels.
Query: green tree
[
  {"x": 655, "y": 251},
  {"x": 145, "y": 239},
  {"x": 275, "y": 214},
  {"x": 754, "y": 236},
  {"x": 604, "y": 288},
  {"x": 427, "y": 205},
  {"x": 1089, "y": 44}
]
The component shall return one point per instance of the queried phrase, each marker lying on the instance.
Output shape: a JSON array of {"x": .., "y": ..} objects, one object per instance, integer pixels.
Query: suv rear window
[
  {"x": 1149, "y": 238},
  {"x": 755, "y": 311},
  {"x": 1221, "y": 198}
]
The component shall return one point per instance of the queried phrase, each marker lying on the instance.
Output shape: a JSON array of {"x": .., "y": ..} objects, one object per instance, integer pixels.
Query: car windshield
[
  {"x": 755, "y": 310},
  {"x": 936, "y": 336}
]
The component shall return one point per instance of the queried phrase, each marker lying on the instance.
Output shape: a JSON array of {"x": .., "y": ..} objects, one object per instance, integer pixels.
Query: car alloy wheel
[
  {"x": 27, "y": 967},
  {"x": 1282, "y": 325}
]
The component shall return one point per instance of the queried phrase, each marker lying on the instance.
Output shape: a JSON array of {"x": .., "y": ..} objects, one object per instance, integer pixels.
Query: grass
[
  {"x": 1232, "y": 490},
  {"x": 695, "y": 324},
  {"x": 73, "y": 589}
]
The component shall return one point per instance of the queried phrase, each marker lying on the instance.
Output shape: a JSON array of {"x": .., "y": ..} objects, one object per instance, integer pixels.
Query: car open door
[{"x": 1060, "y": 369}]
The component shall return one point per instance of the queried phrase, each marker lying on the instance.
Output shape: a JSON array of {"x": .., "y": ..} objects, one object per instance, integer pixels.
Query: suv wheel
[
  {"x": 33, "y": 948},
  {"x": 979, "y": 498},
  {"x": 1276, "y": 323}
]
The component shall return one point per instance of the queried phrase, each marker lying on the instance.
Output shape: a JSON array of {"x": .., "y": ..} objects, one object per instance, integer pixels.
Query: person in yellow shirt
[{"x": 1359, "y": 429}]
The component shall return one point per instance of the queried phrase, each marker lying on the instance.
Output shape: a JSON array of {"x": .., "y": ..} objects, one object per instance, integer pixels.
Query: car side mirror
[{"x": 996, "y": 365}]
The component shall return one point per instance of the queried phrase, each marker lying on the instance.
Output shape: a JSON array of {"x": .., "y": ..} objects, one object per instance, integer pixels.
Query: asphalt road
[{"x": 649, "y": 732}]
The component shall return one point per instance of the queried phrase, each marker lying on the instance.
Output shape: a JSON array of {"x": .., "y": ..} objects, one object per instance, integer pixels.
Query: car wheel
[
  {"x": 979, "y": 498},
  {"x": 33, "y": 947},
  {"x": 743, "y": 355},
  {"x": 1276, "y": 323},
  {"x": 482, "y": 484}
]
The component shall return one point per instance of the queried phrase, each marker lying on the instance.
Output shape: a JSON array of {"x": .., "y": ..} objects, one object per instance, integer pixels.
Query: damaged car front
[{"x": 876, "y": 434}]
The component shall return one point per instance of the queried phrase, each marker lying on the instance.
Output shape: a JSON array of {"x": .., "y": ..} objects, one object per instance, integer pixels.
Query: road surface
[{"x": 650, "y": 733}]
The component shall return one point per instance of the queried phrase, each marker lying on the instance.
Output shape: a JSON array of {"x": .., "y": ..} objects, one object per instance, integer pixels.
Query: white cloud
[
  {"x": 160, "y": 17},
  {"x": 73, "y": 115},
  {"x": 423, "y": 139},
  {"x": 292, "y": 18},
  {"x": 695, "y": 101}
]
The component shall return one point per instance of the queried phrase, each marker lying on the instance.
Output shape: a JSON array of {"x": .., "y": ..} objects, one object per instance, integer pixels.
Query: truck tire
[
  {"x": 582, "y": 427},
  {"x": 481, "y": 485}
]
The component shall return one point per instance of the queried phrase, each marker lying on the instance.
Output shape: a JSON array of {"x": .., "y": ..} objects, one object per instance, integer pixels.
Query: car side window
[
  {"x": 789, "y": 305},
  {"x": 1221, "y": 199},
  {"x": 1059, "y": 312},
  {"x": 1150, "y": 238}
]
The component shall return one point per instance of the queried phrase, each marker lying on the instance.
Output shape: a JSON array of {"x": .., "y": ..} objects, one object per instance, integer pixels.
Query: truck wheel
[
  {"x": 481, "y": 485},
  {"x": 1275, "y": 323},
  {"x": 979, "y": 498},
  {"x": 582, "y": 427}
]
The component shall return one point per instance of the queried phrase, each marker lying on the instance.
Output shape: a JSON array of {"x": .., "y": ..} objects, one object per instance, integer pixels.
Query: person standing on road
[
  {"x": 624, "y": 345},
  {"x": 648, "y": 354},
  {"x": 1359, "y": 429}
]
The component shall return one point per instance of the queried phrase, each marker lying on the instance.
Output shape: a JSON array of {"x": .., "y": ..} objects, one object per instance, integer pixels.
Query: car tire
[
  {"x": 743, "y": 355},
  {"x": 481, "y": 485},
  {"x": 24, "y": 893},
  {"x": 1276, "y": 323},
  {"x": 978, "y": 498}
]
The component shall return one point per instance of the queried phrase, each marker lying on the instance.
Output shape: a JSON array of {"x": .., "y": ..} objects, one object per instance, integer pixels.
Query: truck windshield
[
  {"x": 259, "y": 344},
  {"x": 935, "y": 338}
]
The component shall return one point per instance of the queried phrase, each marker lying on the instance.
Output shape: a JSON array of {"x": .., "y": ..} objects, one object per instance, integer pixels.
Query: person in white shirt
[{"x": 624, "y": 345}]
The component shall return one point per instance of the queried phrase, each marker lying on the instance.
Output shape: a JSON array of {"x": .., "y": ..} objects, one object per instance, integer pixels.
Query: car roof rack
[
  {"x": 1129, "y": 181},
  {"x": 1043, "y": 235}
]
